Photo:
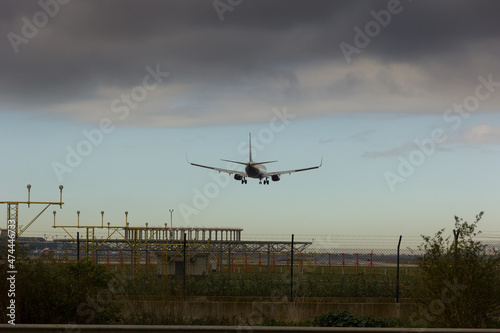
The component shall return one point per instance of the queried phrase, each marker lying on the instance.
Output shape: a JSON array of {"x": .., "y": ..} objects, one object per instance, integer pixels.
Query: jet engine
[
  {"x": 275, "y": 178},
  {"x": 238, "y": 177}
]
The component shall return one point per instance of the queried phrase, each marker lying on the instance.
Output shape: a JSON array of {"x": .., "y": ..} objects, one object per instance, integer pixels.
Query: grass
[{"x": 268, "y": 284}]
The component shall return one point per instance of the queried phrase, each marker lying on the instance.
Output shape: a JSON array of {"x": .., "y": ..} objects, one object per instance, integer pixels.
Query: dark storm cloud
[
  {"x": 90, "y": 47},
  {"x": 429, "y": 28}
]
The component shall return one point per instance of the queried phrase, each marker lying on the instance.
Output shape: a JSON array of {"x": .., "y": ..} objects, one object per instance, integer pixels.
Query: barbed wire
[{"x": 490, "y": 238}]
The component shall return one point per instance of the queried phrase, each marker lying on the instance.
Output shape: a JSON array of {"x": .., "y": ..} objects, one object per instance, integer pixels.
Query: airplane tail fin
[
  {"x": 249, "y": 155},
  {"x": 250, "y": 147},
  {"x": 250, "y": 152}
]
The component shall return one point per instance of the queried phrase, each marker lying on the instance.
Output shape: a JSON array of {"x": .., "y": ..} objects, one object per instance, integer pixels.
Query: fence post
[
  {"x": 455, "y": 235},
  {"x": 291, "y": 272},
  {"x": 132, "y": 261},
  {"x": 184, "y": 275},
  {"x": 229, "y": 266},
  {"x": 268, "y": 259},
  {"x": 221, "y": 263},
  {"x": 147, "y": 260},
  {"x": 397, "y": 272},
  {"x": 78, "y": 246}
]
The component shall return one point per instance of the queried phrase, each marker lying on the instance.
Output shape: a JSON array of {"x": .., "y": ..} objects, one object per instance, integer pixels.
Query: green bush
[
  {"x": 58, "y": 293},
  {"x": 457, "y": 283},
  {"x": 347, "y": 319}
]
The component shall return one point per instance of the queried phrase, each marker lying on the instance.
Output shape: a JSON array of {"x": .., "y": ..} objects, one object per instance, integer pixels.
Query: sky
[{"x": 399, "y": 99}]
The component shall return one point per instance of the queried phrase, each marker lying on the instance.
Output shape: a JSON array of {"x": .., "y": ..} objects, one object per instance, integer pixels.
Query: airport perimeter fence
[{"x": 228, "y": 269}]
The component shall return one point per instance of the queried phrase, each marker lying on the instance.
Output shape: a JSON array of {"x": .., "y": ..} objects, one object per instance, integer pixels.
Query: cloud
[
  {"x": 361, "y": 136},
  {"x": 263, "y": 55},
  {"x": 480, "y": 135},
  {"x": 402, "y": 149}
]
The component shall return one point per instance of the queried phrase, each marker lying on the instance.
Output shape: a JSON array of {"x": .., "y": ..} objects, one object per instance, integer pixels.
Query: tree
[{"x": 457, "y": 283}]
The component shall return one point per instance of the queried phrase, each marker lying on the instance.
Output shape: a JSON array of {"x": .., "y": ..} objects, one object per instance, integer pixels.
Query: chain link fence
[{"x": 230, "y": 269}]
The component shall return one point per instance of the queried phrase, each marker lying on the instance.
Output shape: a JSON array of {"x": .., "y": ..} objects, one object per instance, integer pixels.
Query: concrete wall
[{"x": 252, "y": 312}]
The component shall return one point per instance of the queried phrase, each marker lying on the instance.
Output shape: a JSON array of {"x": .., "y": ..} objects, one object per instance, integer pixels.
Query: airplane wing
[
  {"x": 270, "y": 174},
  {"x": 241, "y": 173}
]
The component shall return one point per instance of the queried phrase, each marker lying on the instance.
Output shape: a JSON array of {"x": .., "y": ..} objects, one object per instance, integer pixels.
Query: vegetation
[
  {"x": 347, "y": 319},
  {"x": 329, "y": 319},
  {"x": 336, "y": 319},
  {"x": 264, "y": 285},
  {"x": 457, "y": 283},
  {"x": 47, "y": 292}
]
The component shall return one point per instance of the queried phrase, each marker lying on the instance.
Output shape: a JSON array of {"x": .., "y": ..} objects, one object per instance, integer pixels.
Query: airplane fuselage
[{"x": 255, "y": 170}]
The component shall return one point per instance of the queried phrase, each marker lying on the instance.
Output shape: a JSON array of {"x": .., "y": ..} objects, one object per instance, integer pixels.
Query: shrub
[
  {"x": 457, "y": 283},
  {"x": 58, "y": 293},
  {"x": 347, "y": 319}
]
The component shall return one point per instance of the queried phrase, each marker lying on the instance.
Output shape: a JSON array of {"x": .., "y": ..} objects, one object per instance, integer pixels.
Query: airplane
[{"x": 255, "y": 169}]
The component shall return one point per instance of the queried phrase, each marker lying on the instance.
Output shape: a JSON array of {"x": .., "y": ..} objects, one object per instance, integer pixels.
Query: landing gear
[
  {"x": 266, "y": 181},
  {"x": 243, "y": 181}
]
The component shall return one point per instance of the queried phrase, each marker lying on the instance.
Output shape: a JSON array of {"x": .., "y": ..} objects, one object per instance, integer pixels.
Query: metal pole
[
  {"x": 229, "y": 260},
  {"x": 220, "y": 261},
  {"x": 171, "y": 226},
  {"x": 132, "y": 261},
  {"x": 397, "y": 273},
  {"x": 268, "y": 259},
  {"x": 455, "y": 234},
  {"x": 29, "y": 188},
  {"x": 132, "y": 253},
  {"x": 60, "y": 198},
  {"x": 78, "y": 245},
  {"x": 184, "y": 275},
  {"x": 291, "y": 272}
]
